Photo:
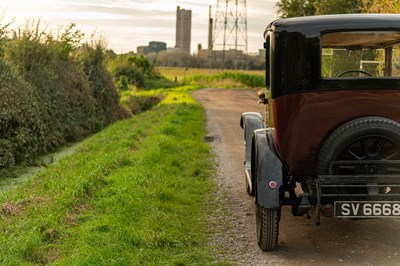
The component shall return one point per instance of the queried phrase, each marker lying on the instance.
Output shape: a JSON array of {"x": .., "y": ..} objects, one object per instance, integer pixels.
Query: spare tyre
[{"x": 364, "y": 146}]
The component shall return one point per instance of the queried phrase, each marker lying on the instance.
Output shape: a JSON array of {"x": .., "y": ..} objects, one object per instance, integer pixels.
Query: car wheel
[
  {"x": 267, "y": 223},
  {"x": 364, "y": 146}
]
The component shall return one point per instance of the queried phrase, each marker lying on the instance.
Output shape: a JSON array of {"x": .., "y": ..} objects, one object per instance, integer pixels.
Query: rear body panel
[{"x": 304, "y": 120}]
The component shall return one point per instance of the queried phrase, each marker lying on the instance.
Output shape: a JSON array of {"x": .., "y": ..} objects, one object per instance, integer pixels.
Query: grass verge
[{"x": 134, "y": 194}]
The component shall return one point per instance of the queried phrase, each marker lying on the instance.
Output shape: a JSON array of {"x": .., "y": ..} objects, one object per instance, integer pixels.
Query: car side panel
[{"x": 304, "y": 120}]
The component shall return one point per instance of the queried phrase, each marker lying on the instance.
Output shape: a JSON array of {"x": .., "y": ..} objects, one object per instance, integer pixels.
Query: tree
[
  {"x": 381, "y": 6},
  {"x": 295, "y": 8},
  {"x": 324, "y": 7},
  {"x": 298, "y": 8},
  {"x": 70, "y": 39}
]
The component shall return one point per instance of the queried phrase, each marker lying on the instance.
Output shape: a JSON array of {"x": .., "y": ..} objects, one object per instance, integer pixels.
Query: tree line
[{"x": 297, "y": 8}]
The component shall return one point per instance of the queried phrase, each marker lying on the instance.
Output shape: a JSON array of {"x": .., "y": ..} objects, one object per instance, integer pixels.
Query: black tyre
[
  {"x": 267, "y": 222},
  {"x": 364, "y": 146}
]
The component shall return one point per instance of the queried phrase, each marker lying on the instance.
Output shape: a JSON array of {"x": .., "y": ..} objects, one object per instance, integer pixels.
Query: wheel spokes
[
  {"x": 357, "y": 157},
  {"x": 369, "y": 149},
  {"x": 391, "y": 156},
  {"x": 378, "y": 146}
]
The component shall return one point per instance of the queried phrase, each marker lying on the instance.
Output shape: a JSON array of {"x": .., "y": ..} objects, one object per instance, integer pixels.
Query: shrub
[
  {"x": 54, "y": 95},
  {"x": 101, "y": 84},
  {"x": 21, "y": 125},
  {"x": 123, "y": 83},
  {"x": 65, "y": 100},
  {"x": 124, "y": 65},
  {"x": 138, "y": 72}
]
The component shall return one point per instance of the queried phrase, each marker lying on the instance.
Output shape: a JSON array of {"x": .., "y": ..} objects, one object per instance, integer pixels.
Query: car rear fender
[
  {"x": 249, "y": 121},
  {"x": 268, "y": 174}
]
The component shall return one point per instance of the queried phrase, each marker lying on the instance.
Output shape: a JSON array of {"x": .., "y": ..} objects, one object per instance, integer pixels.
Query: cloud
[{"x": 131, "y": 23}]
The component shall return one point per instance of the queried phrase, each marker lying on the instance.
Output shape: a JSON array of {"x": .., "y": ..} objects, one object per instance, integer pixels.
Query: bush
[
  {"x": 125, "y": 66},
  {"x": 55, "y": 95},
  {"x": 59, "y": 83},
  {"x": 101, "y": 84},
  {"x": 21, "y": 125},
  {"x": 137, "y": 71},
  {"x": 123, "y": 83}
]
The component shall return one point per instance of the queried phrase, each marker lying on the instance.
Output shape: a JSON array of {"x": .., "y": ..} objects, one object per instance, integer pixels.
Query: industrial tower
[
  {"x": 230, "y": 26},
  {"x": 183, "y": 29}
]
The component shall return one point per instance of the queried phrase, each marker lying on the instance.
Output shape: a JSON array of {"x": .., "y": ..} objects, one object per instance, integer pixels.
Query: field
[{"x": 214, "y": 77}]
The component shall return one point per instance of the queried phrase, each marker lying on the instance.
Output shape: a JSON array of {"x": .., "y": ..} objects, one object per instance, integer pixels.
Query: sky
[{"x": 127, "y": 24}]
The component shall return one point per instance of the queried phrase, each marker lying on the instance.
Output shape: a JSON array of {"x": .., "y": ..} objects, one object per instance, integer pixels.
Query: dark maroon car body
[{"x": 303, "y": 121}]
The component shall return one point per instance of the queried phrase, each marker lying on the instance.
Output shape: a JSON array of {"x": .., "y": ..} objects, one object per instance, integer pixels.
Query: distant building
[
  {"x": 142, "y": 50},
  {"x": 173, "y": 49},
  {"x": 183, "y": 29},
  {"x": 153, "y": 47},
  {"x": 204, "y": 53},
  {"x": 156, "y": 47}
]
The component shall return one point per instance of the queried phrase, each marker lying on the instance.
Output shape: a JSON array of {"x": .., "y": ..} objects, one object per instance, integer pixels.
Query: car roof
[{"x": 325, "y": 23}]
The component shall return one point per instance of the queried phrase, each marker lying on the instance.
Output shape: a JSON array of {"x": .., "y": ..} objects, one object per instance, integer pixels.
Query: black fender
[
  {"x": 267, "y": 169},
  {"x": 249, "y": 121}
]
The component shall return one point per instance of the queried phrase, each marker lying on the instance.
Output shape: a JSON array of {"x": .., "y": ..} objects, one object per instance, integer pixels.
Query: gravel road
[{"x": 301, "y": 242}]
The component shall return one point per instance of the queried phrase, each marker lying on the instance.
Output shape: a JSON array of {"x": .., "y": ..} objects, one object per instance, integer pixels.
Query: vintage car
[{"x": 329, "y": 142}]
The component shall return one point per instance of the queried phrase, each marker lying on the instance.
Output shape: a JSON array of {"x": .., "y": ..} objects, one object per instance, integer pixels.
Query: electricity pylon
[{"x": 230, "y": 27}]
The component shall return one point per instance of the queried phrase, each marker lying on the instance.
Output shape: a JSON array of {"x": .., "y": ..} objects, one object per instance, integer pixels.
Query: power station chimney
[
  {"x": 210, "y": 31},
  {"x": 183, "y": 29}
]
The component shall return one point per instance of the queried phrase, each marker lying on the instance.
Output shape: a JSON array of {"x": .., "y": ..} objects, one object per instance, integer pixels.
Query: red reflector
[{"x": 272, "y": 184}]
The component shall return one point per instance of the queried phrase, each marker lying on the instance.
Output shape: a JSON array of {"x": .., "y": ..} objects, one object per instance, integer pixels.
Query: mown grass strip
[{"x": 132, "y": 195}]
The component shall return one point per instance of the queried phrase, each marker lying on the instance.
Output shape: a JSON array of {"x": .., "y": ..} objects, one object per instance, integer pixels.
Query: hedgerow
[
  {"x": 53, "y": 90},
  {"x": 21, "y": 124}
]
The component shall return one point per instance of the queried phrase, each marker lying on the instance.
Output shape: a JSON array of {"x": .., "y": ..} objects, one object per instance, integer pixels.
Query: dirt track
[{"x": 301, "y": 242}]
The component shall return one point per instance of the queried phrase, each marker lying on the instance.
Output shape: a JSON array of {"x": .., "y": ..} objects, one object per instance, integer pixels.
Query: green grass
[
  {"x": 240, "y": 80},
  {"x": 215, "y": 78},
  {"x": 134, "y": 194}
]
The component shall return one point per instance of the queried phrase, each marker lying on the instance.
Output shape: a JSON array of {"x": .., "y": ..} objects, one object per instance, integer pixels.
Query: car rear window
[{"x": 360, "y": 54}]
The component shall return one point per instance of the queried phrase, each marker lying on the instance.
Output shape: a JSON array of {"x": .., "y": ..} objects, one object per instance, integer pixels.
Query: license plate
[{"x": 367, "y": 209}]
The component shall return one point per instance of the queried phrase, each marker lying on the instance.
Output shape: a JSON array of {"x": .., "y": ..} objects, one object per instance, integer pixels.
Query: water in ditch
[{"x": 21, "y": 174}]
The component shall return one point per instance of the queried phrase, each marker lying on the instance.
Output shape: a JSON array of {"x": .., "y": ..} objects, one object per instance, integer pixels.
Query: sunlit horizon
[{"x": 128, "y": 24}]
